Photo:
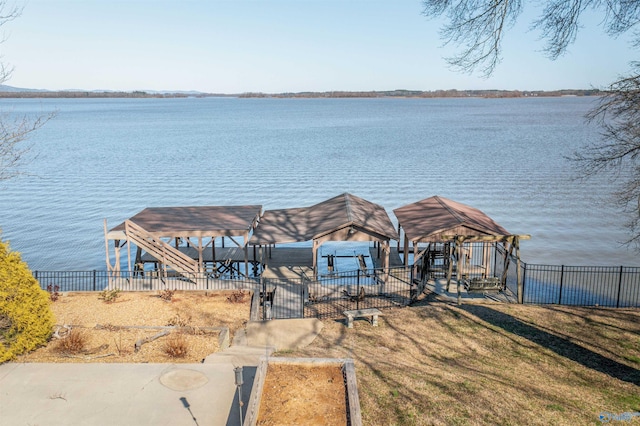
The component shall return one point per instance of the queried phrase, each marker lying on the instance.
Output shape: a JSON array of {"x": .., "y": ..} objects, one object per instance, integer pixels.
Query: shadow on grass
[{"x": 559, "y": 345}]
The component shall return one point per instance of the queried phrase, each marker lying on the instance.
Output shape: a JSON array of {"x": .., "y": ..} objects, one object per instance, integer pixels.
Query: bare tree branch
[
  {"x": 560, "y": 24},
  {"x": 618, "y": 153},
  {"x": 8, "y": 12},
  {"x": 14, "y": 131},
  {"x": 13, "y": 135},
  {"x": 478, "y": 27}
]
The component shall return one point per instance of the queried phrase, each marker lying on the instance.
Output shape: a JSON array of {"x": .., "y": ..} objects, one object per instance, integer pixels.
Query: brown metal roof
[
  {"x": 309, "y": 223},
  {"x": 429, "y": 219},
  {"x": 196, "y": 221}
]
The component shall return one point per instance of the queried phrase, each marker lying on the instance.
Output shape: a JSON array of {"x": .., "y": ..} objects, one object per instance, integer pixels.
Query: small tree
[{"x": 26, "y": 319}]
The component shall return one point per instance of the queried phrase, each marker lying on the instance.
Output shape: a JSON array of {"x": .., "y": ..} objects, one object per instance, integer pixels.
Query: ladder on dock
[{"x": 168, "y": 255}]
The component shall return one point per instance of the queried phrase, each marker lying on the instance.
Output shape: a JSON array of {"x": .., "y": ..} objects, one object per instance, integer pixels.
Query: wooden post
[
  {"x": 314, "y": 251},
  {"x": 415, "y": 253},
  {"x": 405, "y": 254},
  {"x": 213, "y": 256},
  {"x": 106, "y": 248},
  {"x": 459, "y": 240},
  {"x": 507, "y": 256},
  {"x": 516, "y": 242},
  {"x": 128, "y": 253},
  {"x": 200, "y": 257},
  {"x": 117, "y": 253},
  {"x": 246, "y": 253},
  {"x": 450, "y": 271}
]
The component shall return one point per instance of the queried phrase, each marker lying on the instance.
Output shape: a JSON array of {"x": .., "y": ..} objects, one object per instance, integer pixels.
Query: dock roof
[
  {"x": 194, "y": 221},
  {"x": 429, "y": 219},
  {"x": 345, "y": 211}
]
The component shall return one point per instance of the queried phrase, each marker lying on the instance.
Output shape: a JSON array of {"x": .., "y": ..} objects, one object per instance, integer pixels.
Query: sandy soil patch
[{"x": 112, "y": 329}]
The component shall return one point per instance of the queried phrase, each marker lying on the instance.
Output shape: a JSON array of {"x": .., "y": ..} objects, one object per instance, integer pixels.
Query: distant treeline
[
  {"x": 337, "y": 94},
  {"x": 430, "y": 94},
  {"x": 90, "y": 94}
]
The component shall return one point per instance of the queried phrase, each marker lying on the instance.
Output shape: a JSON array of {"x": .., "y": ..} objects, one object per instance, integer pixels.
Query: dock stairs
[{"x": 168, "y": 255}]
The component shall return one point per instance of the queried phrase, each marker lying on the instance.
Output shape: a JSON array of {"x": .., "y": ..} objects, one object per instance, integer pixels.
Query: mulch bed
[
  {"x": 112, "y": 329},
  {"x": 298, "y": 394}
]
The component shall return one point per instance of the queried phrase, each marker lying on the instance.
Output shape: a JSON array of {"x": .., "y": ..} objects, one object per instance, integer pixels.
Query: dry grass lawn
[
  {"x": 498, "y": 364},
  {"x": 431, "y": 364},
  {"x": 112, "y": 329}
]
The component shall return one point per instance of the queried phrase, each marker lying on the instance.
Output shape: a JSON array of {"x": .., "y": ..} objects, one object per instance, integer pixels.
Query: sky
[{"x": 275, "y": 46}]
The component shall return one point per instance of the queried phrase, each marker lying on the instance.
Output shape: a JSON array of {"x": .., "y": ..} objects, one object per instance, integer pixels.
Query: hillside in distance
[{"x": 16, "y": 92}]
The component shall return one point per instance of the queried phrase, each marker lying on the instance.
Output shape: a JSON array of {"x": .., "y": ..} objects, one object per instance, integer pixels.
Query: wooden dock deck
[
  {"x": 394, "y": 258},
  {"x": 288, "y": 256},
  {"x": 290, "y": 294}
]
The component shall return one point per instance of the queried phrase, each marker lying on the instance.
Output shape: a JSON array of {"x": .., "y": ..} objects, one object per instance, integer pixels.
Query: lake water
[{"x": 110, "y": 158}]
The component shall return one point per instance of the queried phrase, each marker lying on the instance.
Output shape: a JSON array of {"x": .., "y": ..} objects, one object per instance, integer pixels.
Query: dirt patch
[
  {"x": 298, "y": 394},
  {"x": 112, "y": 329}
]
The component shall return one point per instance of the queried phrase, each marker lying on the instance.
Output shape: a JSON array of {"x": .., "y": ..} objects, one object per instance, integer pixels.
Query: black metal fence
[
  {"x": 326, "y": 297},
  {"x": 330, "y": 296},
  {"x": 135, "y": 281},
  {"x": 73, "y": 280},
  {"x": 606, "y": 286}
]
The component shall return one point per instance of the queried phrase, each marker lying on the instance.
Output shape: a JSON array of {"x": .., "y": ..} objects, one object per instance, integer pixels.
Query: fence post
[
  {"x": 263, "y": 289},
  {"x": 524, "y": 281},
  {"x": 35, "y": 274},
  {"x": 619, "y": 287},
  {"x": 358, "y": 289},
  {"x": 302, "y": 294},
  {"x": 94, "y": 279},
  {"x": 561, "y": 280}
]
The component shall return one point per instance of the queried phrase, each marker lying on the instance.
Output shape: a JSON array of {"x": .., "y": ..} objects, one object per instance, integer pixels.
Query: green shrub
[
  {"x": 109, "y": 296},
  {"x": 26, "y": 319}
]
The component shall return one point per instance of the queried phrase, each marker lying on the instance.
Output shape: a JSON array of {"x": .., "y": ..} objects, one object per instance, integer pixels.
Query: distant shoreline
[{"x": 35, "y": 94}]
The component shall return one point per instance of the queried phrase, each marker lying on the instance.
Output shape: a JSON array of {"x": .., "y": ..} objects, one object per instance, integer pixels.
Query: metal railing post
[
  {"x": 263, "y": 289},
  {"x": 619, "y": 287},
  {"x": 524, "y": 281},
  {"x": 302, "y": 293},
  {"x": 561, "y": 282},
  {"x": 358, "y": 289}
]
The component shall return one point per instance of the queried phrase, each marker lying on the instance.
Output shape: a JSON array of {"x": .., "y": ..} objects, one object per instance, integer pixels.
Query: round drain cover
[{"x": 181, "y": 380}]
